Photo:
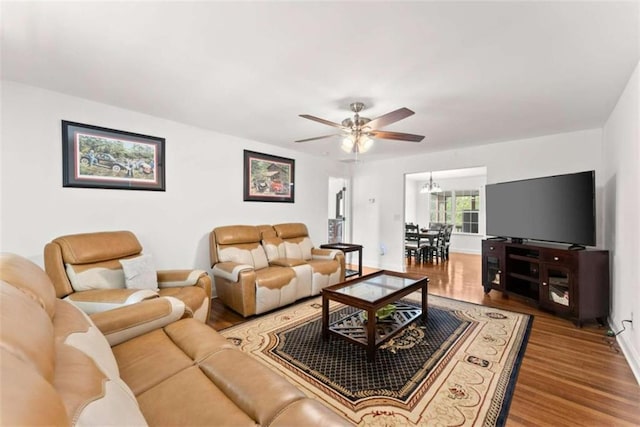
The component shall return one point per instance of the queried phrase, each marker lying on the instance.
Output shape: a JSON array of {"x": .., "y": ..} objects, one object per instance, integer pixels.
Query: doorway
[
  {"x": 454, "y": 197},
  {"x": 339, "y": 219}
]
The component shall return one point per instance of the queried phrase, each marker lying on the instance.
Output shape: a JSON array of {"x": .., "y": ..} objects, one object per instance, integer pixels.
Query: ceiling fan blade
[
  {"x": 392, "y": 117},
  {"x": 399, "y": 136},
  {"x": 317, "y": 137},
  {"x": 323, "y": 121}
]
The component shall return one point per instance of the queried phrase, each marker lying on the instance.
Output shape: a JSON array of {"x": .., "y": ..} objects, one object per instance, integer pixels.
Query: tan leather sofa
[
  {"x": 106, "y": 270},
  {"x": 259, "y": 268},
  {"x": 140, "y": 364}
]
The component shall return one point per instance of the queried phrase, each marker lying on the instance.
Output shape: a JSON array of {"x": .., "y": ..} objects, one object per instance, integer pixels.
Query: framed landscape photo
[
  {"x": 96, "y": 157},
  {"x": 268, "y": 178}
]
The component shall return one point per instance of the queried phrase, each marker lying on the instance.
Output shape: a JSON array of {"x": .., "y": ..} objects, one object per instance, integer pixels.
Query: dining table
[{"x": 429, "y": 234}]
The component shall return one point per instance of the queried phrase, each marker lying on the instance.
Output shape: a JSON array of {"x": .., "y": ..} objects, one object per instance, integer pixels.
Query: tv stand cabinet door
[
  {"x": 493, "y": 260},
  {"x": 557, "y": 290}
]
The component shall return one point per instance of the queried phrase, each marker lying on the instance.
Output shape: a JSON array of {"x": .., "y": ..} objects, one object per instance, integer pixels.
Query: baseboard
[
  {"x": 628, "y": 350},
  {"x": 466, "y": 251},
  {"x": 630, "y": 353}
]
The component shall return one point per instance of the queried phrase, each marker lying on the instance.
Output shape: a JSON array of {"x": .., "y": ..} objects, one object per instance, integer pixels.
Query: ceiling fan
[{"x": 358, "y": 132}]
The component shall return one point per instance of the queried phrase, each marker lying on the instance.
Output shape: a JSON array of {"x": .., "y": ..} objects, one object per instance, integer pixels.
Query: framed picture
[
  {"x": 268, "y": 178},
  {"x": 96, "y": 157}
]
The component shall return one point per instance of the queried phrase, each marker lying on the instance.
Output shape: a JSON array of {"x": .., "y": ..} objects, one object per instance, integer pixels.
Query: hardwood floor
[{"x": 569, "y": 376}]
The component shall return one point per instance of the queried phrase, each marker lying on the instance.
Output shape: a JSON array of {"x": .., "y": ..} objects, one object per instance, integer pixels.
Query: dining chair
[
  {"x": 413, "y": 245},
  {"x": 447, "y": 241},
  {"x": 435, "y": 249}
]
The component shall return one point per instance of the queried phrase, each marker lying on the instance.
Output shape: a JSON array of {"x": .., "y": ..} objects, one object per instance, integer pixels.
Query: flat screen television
[{"x": 558, "y": 208}]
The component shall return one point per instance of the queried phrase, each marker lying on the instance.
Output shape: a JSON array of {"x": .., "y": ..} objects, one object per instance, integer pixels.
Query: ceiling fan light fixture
[
  {"x": 347, "y": 144},
  {"x": 364, "y": 144}
]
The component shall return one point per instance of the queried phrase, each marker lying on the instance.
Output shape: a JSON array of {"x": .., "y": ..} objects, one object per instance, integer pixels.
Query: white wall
[
  {"x": 412, "y": 199},
  {"x": 621, "y": 154},
  {"x": 380, "y": 223},
  {"x": 204, "y": 178}
]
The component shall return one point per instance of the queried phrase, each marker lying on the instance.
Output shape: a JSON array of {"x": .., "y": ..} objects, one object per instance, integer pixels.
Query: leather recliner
[
  {"x": 89, "y": 270},
  {"x": 256, "y": 271}
]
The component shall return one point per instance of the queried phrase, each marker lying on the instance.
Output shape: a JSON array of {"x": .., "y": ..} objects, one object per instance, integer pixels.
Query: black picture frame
[
  {"x": 97, "y": 157},
  {"x": 268, "y": 178}
]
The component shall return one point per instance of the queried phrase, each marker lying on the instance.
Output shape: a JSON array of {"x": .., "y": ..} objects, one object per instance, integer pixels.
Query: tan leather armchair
[{"x": 101, "y": 271}]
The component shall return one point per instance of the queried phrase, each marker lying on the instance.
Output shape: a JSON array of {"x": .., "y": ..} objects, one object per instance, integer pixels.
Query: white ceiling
[{"x": 473, "y": 72}]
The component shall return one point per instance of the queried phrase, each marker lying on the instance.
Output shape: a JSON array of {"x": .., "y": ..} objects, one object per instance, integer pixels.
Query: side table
[{"x": 345, "y": 248}]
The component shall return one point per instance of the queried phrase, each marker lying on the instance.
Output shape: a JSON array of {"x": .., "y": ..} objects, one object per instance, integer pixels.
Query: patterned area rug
[{"x": 458, "y": 368}]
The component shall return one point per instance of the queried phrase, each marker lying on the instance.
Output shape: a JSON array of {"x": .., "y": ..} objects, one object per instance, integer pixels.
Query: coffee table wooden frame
[{"x": 372, "y": 334}]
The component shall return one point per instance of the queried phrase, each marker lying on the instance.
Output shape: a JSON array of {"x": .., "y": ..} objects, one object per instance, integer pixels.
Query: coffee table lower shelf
[{"x": 354, "y": 326}]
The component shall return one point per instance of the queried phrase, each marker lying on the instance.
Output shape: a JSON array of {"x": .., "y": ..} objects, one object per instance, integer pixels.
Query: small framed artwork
[
  {"x": 268, "y": 178},
  {"x": 96, "y": 157}
]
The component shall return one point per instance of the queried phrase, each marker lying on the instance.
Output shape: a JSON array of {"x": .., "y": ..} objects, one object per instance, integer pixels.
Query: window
[
  {"x": 441, "y": 207},
  {"x": 466, "y": 213},
  {"x": 460, "y": 208}
]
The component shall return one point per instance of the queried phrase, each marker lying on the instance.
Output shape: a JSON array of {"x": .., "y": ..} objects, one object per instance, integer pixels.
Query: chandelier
[{"x": 430, "y": 187}]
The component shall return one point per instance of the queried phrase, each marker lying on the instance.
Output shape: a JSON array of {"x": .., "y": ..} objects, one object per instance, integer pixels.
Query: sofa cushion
[
  {"x": 140, "y": 273},
  {"x": 190, "y": 398},
  {"x": 244, "y": 253},
  {"x": 274, "y": 248},
  {"x": 195, "y": 339},
  {"x": 299, "y": 247},
  {"x": 133, "y": 359},
  {"x": 98, "y": 275},
  {"x": 236, "y": 375}
]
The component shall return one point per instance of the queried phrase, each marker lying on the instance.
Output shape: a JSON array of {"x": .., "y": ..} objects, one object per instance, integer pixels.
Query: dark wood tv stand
[{"x": 569, "y": 283}]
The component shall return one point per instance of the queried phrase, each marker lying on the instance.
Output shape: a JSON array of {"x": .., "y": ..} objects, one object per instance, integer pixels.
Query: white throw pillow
[{"x": 140, "y": 273}]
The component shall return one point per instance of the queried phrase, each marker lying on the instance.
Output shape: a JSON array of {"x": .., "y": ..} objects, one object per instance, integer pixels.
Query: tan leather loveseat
[
  {"x": 106, "y": 270},
  {"x": 260, "y": 268},
  {"x": 148, "y": 368}
]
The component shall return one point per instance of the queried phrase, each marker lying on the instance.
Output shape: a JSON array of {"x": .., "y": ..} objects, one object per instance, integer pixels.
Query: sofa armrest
[
  {"x": 324, "y": 253},
  {"x": 179, "y": 278},
  {"x": 185, "y": 278},
  {"x": 230, "y": 270},
  {"x": 98, "y": 300},
  {"x": 287, "y": 262},
  {"x": 127, "y": 322}
]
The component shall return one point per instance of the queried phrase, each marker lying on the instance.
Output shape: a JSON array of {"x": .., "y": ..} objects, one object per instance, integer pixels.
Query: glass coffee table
[{"x": 371, "y": 293}]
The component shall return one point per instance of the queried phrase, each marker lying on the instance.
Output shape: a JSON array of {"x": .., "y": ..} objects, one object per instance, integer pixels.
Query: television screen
[{"x": 557, "y": 208}]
